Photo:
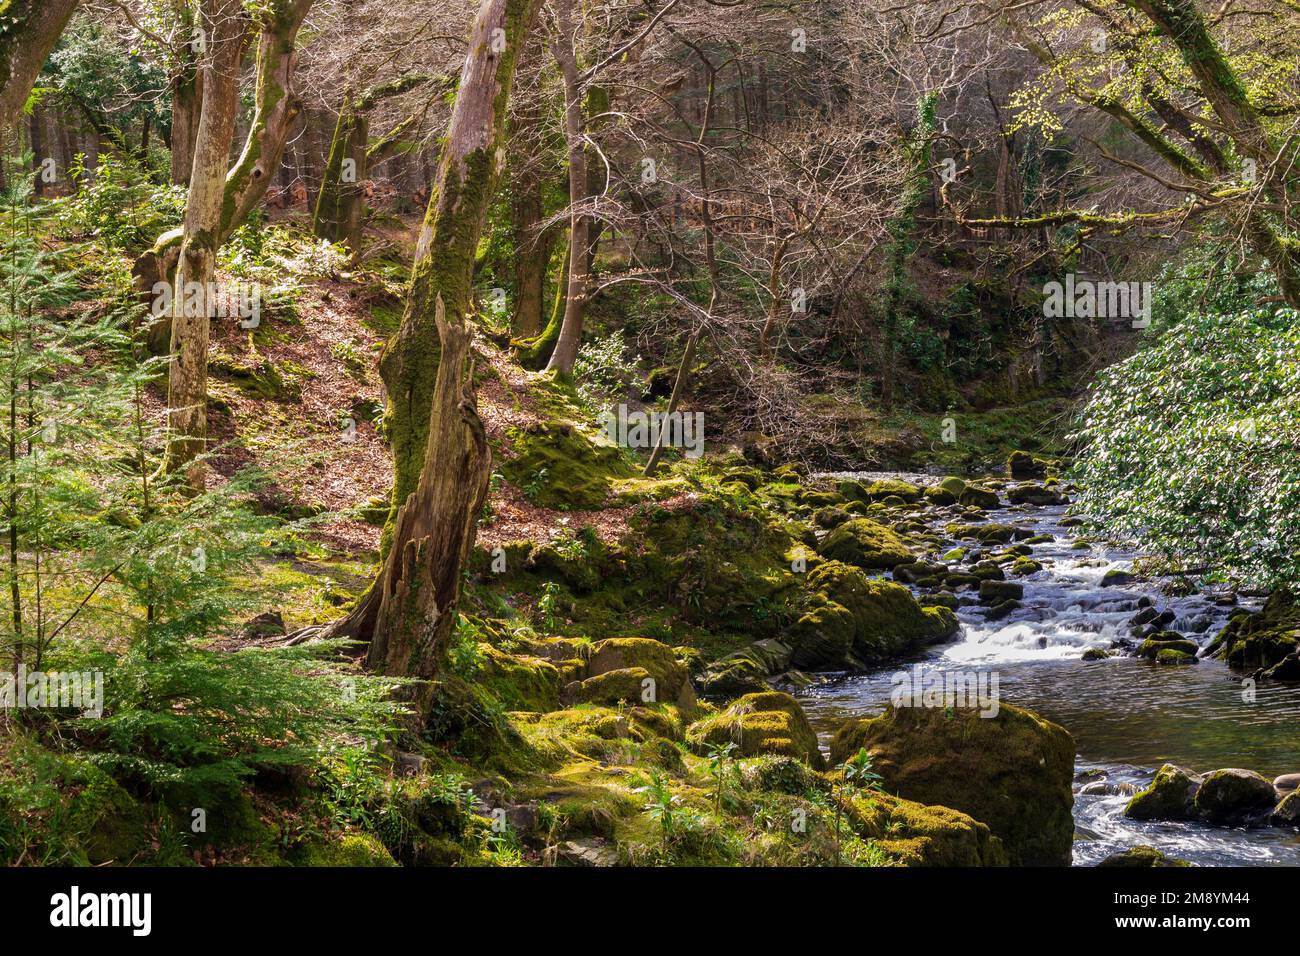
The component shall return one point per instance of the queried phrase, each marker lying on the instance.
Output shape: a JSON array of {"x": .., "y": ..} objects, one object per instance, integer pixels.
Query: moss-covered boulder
[
  {"x": 977, "y": 496},
  {"x": 853, "y": 619},
  {"x": 1287, "y": 812},
  {"x": 1169, "y": 796},
  {"x": 865, "y": 543},
  {"x": 1141, "y": 857},
  {"x": 520, "y": 682},
  {"x": 1233, "y": 795},
  {"x": 987, "y": 533},
  {"x": 918, "y": 835},
  {"x": 1250, "y": 641},
  {"x": 1151, "y": 647},
  {"x": 562, "y": 465},
  {"x": 1012, "y": 771},
  {"x": 1021, "y": 464},
  {"x": 1035, "y": 494},
  {"x": 672, "y": 683},
  {"x": 770, "y": 722}
]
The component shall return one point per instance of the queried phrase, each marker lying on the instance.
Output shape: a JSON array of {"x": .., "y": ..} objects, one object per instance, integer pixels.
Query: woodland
[{"x": 649, "y": 433}]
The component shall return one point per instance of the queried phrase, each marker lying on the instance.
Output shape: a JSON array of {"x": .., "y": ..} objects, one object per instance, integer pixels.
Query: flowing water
[{"x": 1127, "y": 715}]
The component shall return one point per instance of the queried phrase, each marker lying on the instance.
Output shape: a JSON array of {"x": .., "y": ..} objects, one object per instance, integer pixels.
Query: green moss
[
  {"x": 865, "y": 543},
  {"x": 1262, "y": 639},
  {"x": 350, "y": 850},
  {"x": 1012, "y": 771},
  {"x": 564, "y": 466},
  {"x": 518, "y": 682},
  {"x": 769, "y": 722},
  {"x": 870, "y": 619}
]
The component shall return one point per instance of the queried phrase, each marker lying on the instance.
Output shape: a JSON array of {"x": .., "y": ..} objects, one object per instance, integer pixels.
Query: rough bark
[
  {"x": 337, "y": 216},
  {"x": 444, "y": 261},
  {"x": 435, "y": 530},
  {"x": 226, "y": 28},
  {"x": 36, "y": 26},
  {"x": 441, "y": 457},
  {"x": 532, "y": 252},
  {"x": 575, "y": 304}
]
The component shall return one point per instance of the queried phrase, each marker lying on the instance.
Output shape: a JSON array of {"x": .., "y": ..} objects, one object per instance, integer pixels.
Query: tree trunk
[
  {"x": 532, "y": 252},
  {"x": 458, "y": 205},
  {"x": 575, "y": 305},
  {"x": 226, "y": 29},
  {"x": 36, "y": 127},
  {"x": 337, "y": 216},
  {"x": 276, "y": 107},
  {"x": 441, "y": 457},
  {"x": 186, "y": 96},
  {"x": 31, "y": 30},
  {"x": 435, "y": 530}
]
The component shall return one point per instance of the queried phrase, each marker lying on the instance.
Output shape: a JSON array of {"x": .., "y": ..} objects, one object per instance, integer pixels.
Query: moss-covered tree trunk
[
  {"x": 225, "y": 27},
  {"x": 28, "y": 31},
  {"x": 1223, "y": 89},
  {"x": 244, "y": 186},
  {"x": 444, "y": 261},
  {"x": 565, "y": 352},
  {"x": 338, "y": 200},
  {"x": 420, "y": 585},
  {"x": 441, "y": 457},
  {"x": 532, "y": 252}
]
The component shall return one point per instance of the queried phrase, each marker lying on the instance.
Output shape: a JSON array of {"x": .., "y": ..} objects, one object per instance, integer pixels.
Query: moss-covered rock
[
  {"x": 977, "y": 496},
  {"x": 765, "y": 723},
  {"x": 559, "y": 464},
  {"x": 1021, "y": 464},
  {"x": 1233, "y": 795},
  {"x": 1250, "y": 641},
  {"x": 1168, "y": 797},
  {"x": 918, "y": 835},
  {"x": 1012, "y": 771},
  {"x": 520, "y": 682},
  {"x": 672, "y": 683},
  {"x": 1034, "y": 494},
  {"x": 1153, "y": 646},
  {"x": 986, "y": 533},
  {"x": 1142, "y": 857},
  {"x": 865, "y": 543},
  {"x": 853, "y": 618}
]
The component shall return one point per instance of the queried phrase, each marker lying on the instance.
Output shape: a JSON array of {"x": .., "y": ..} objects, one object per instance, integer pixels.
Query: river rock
[
  {"x": 1021, "y": 464},
  {"x": 976, "y": 497},
  {"x": 1287, "y": 669},
  {"x": 995, "y": 592},
  {"x": 1115, "y": 577},
  {"x": 1032, "y": 494},
  {"x": 855, "y": 619},
  {"x": 1287, "y": 813},
  {"x": 1170, "y": 796},
  {"x": 1251, "y": 641},
  {"x": 1286, "y": 783},
  {"x": 1232, "y": 795},
  {"x": 865, "y": 543},
  {"x": 1141, "y": 856},
  {"x": 1012, "y": 771}
]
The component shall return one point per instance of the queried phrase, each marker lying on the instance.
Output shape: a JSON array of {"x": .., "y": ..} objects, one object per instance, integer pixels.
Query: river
[{"x": 1127, "y": 715}]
